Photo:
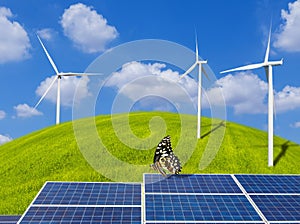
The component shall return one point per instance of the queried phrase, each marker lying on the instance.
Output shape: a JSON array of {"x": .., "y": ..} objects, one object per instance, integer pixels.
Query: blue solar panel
[
  {"x": 73, "y": 193},
  {"x": 77, "y": 202},
  {"x": 202, "y": 198},
  {"x": 190, "y": 184},
  {"x": 199, "y": 208},
  {"x": 9, "y": 219},
  {"x": 175, "y": 222},
  {"x": 270, "y": 183},
  {"x": 83, "y": 215},
  {"x": 279, "y": 207}
]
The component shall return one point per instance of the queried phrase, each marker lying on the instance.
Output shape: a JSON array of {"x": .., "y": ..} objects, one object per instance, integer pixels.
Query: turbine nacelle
[{"x": 273, "y": 63}]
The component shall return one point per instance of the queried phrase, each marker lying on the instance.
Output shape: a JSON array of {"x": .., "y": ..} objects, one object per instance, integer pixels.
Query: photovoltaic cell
[
  {"x": 270, "y": 183},
  {"x": 75, "y": 193},
  {"x": 199, "y": 208},
  {"x": 83, "y": 215},
  {"x": 279, "y": 207},
  {"x": 190, "y": 184}
]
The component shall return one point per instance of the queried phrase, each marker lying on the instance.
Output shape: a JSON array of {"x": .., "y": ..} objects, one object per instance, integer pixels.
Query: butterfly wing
[{"x": 164, "y": 158}]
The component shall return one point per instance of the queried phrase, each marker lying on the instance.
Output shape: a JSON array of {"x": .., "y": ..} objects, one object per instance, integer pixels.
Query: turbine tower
[
  {"x": 200, "y": 69},
  {"x": 268, "y": 65},
  {"x": 57, "y": 78}
]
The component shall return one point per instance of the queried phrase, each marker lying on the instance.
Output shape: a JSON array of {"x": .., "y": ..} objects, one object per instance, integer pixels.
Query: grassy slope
[{"x": 52, "y": 154}]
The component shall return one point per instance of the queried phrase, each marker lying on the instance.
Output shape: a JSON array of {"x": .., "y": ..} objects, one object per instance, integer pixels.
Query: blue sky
[{"x": 230, "y": 33}]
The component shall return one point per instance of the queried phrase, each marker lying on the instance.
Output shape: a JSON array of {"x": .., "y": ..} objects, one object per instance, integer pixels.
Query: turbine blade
[
  {"x": 246, "y": 67},
  {"x": 189, "y": 70},
  {"x": 55, "y": 78},
  {"x": 48, "y": 56},
  {"x": 268, "y": 47}
]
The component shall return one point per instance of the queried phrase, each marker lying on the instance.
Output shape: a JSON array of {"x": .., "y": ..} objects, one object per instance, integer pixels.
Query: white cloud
[
  {"x": 87, "y": 29},
  {"x": 46, "y": 33},
  {"x": 23, "y": 110},
  {"x": 245, "y": 92},
  {"x": 288, "y": 37},
  {"x": 14, "y": 41},
  {"x": 2, "y": 114},
  {"x": 4, "y": 139},
  {"x": 288, "y": 99},
  {"x": 296, "y": 125},
  {"x": 68, "y": 87},
  {"x": 163, "y": 84}
]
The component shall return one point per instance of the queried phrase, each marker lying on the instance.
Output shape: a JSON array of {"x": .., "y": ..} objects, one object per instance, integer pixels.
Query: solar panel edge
[{"x": 27, "y": 209}]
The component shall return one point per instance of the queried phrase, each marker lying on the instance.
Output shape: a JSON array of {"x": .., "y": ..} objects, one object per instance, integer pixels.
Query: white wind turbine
[
  {"x": 57, "y": 78},
  {"x": 269, "y": 73},
  {"x": 200, "y": 69}
]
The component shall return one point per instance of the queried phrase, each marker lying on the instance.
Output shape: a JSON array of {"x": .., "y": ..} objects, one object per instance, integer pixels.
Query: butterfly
[{"x": 164, "y": 158}]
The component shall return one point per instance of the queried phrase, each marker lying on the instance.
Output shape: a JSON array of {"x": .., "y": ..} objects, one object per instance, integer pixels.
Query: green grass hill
[{"x": 52, "y": 154}]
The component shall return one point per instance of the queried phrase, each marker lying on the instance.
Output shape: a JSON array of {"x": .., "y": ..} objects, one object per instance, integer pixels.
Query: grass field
[{"x": 53, "y": 154}]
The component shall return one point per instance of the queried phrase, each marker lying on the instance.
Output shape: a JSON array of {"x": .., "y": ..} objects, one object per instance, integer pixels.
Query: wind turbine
[
  {"x": 268, "y": 65},
  {"x": 57, "y": 78},
  {"x": 200, "y": 69}
]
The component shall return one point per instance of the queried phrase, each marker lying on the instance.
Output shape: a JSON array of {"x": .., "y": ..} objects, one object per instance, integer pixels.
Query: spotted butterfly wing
[{"x": 165, "y": 159}]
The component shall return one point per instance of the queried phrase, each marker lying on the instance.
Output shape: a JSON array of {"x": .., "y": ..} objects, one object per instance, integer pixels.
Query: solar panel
[
  {"x": 270, "y": 183},
  {"x": 279, "y": 207},
  {"x": 207, "y": 198},
  {"x": 174, "y": 207},
  {"x": 82, "y": 215},
  {"x": 200, "y": 198},
  {"x": 9, "y": 219},
  {"x": 79, "y": 202},
  {"x": 199, "y": 183},
  {"x": 89, "y": 194}
]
